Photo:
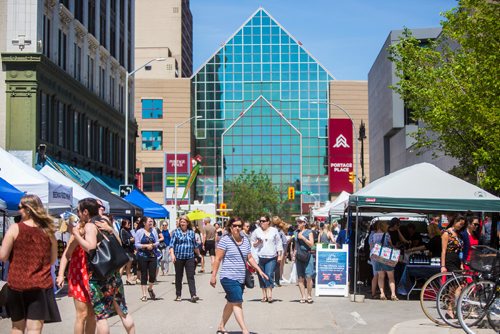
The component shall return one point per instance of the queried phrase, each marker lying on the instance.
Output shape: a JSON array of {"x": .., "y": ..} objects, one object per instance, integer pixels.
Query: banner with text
[
  {"x": 340, "y": 154},
  {"x": 182, "y": 163}
]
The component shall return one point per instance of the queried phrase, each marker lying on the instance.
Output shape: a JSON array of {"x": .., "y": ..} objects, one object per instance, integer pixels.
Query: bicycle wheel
[
  {"x": 428, "y": 296},
  {"x": 472, "y": 302},
  {"x": 493, "y": 314},
  {"x": 447, "y": 297}
]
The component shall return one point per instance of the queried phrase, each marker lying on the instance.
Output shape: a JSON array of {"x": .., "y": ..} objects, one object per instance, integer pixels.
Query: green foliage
[
  {"x": 253, "y": 194},
  {"x": 452, "y": 85}
]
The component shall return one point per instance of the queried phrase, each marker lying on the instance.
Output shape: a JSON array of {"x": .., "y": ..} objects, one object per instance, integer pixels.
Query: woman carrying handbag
[
  {"x": 107, "y": 296},
  {"x": 232, "y": 250}
]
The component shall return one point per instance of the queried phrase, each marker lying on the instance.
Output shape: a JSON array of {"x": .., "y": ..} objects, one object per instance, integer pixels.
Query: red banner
[
  {"x": 340, "y": 154},
  {"x": 182, "y": 163}
]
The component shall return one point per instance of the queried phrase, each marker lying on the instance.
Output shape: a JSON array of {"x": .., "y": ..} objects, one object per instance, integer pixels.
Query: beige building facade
[{"x": 162, "y": 90}]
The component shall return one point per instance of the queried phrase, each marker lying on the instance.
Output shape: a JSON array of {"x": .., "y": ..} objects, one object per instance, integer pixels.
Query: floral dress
[{"x": 104, "y": 292}]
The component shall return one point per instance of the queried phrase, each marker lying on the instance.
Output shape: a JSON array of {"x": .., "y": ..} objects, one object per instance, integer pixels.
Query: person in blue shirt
[
  {"x": 165, "y": 259},
  {"x": 183, "y": 247}
]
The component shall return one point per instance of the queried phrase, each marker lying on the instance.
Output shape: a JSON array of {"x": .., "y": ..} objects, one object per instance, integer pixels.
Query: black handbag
[
  {"x": 249, "y": 279},
  {"x": 301, "y": 254},
  {"x": 108, "y": 257}
]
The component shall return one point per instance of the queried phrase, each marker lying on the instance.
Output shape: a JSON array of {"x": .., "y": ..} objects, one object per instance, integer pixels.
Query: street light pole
[
  {"x": 126, "y": 111},
  {"x": 177, "y": 126}
]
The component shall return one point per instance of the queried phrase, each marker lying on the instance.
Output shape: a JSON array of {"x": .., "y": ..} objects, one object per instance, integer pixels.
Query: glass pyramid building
[{"x": 263, "y": 102}]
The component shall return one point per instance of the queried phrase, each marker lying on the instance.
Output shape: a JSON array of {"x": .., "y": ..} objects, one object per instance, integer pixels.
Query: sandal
[
  {"x": 144, "y": 298},
  {"x": 127, "y": 282},
  {"x": 310, "y": 300},
  {"x": 263, "y": 300},
  {"x": 177, "y": 299},
  {"x": 270, "y": 300},
  {"x": 394, "y": 298},
  {"x": 152, "y": 294},
  {"x": 222, "y": 331},
  {"x": 302, "y": 301},
  {"x": 383, "y": 298}
]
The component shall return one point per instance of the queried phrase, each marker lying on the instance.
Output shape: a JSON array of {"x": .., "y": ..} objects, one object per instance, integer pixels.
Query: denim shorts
[
  {"x": 233, "y": 290},
  {"x": 305, "y": 270},
  {"x": 378, "y": 266}
]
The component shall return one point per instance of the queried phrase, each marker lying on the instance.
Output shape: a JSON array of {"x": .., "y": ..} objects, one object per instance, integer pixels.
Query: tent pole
[{"x": 356, "y": 250}]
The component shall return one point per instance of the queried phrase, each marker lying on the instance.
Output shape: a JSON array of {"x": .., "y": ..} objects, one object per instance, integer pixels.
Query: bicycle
[
  {"x": 482, "y": 297},
  {"x": 430, "y": 291},
  {"x": 448, "y": 295}
]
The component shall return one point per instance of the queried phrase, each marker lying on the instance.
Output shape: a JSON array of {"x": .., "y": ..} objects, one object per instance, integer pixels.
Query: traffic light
[
  {"x": 223, "y": 207},
  {"x": 291, "y": 193},
  {"x": 352, "y": 177}
]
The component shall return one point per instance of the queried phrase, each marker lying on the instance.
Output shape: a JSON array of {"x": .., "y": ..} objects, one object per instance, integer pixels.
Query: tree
[
  {"x": 452, "y": 87},
  {"x": 253, "y": 194}
]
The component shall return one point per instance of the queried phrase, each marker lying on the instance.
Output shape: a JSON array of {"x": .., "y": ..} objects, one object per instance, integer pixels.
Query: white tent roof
[
  {"x": 424, "y": 187},
  {"x": 78, "y": 192},
  {"x": 27, "y": 179},
  {"x": 336, "y": 207}
]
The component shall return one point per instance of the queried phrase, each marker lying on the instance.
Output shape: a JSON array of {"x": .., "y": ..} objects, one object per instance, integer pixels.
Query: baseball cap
[{"x": 302, "y": 218}]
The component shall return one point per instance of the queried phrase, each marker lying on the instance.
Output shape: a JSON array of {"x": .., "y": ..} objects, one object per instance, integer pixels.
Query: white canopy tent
[
  {"x": 335, "y": 208},
  {"x": 78, "y": 191},
  {"x": 25, "y": 178}
]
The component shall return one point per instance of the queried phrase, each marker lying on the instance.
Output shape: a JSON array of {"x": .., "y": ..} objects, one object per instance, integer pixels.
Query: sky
[{"x": 343, "y": 35}]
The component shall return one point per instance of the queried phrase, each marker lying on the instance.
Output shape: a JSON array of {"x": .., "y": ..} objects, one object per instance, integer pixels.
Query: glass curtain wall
[{"x": 262, "y": 99}]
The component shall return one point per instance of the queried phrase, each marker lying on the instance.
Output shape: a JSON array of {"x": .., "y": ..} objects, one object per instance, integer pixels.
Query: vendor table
[{"x": 412, "y": 274}]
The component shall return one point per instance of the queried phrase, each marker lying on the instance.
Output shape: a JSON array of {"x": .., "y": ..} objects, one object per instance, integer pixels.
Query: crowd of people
[
  {"x": 451, "y": 244},
  {"x": 262, "y": 246}
]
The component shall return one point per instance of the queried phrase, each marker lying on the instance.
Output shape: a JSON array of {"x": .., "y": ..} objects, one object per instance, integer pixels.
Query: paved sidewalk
[
  {"x": 286, "y": 315},
  {"x": 419, "y": 326}
]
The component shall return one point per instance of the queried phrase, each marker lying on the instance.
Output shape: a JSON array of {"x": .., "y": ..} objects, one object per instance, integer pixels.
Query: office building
[
  {"x": 162, "y": 93},
  {"x": 264, "y": 103},
  {"x": 391, "y": 124},
  {"x": 63, "y": 83}
]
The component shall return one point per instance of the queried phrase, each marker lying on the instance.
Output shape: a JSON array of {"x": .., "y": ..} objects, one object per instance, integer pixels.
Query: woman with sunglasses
[
  {"x": 31, "y": 248},
  {"x": 233, "y": 250},
  {"x": 267, "y": 242}
]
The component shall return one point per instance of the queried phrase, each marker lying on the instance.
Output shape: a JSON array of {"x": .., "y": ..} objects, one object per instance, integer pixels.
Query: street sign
[
  {"x": 182, "y": 180},
  {"x": 125, "y": 189}
]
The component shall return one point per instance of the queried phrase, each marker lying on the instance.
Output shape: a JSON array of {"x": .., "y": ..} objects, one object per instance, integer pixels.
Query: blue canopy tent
[
  {"x": 150, "y": 208},
  {"x": 10, "y": 194}
]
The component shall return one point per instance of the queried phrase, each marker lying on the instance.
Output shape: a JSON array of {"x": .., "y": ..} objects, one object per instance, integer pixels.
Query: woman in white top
[{"x": 267, "y": 242}]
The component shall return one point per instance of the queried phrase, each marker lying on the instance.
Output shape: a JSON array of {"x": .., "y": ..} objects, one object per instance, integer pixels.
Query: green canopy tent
[{"x": 422, "y": 188}]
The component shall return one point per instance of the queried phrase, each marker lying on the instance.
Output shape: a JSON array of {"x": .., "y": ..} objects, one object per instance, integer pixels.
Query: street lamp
[
  {"x": 175, "y": 159},
  {"x": 126, "y": 110}
]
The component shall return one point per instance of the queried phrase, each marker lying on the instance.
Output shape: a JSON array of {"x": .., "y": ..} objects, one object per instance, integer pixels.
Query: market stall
[
  {"x": 118, "y": 206},
  {"x": 422, "y": 188},
  {"x": 150, "y": 208}
]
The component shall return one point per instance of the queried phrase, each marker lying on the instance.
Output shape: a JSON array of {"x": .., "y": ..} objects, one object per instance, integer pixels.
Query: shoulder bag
[
  {"x": 249, "y": 279},
  {"x": 302, "y": 255},
  {"x": 108, "y": 257},
  {"x": 385, "y": 254}
]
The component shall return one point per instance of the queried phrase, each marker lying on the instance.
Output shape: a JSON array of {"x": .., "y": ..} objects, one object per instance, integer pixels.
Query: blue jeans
[{"x": 268, "y": 265}]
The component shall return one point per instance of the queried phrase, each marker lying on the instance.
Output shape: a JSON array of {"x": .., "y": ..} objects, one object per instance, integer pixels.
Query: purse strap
[
  {"x": 239, "y": 250},
  {"x": 383, "y": 239}
]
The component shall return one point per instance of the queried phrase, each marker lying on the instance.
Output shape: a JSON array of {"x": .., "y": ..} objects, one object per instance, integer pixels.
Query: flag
[{"x": 192, "y": 177}]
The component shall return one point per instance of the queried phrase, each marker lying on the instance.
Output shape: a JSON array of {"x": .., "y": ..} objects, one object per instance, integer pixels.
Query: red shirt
[
  {"x": 473, "y": 241},
  {"x": 30, "y": 260}
]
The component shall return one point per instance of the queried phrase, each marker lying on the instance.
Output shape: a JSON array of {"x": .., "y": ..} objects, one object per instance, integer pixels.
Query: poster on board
[{"x": 331, "y": 271}]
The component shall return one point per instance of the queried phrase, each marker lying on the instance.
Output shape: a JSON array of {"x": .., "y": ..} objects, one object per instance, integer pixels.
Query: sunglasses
[
  {"x": 475, "y": 224},
  {"x": 236, "y": 225},
  {"x": 20, "y": 206},
  {"x": 263, "y": 221}
]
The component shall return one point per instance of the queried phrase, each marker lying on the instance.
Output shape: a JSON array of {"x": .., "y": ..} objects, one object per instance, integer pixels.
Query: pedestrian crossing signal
[
  {"x": 352, "y": 177},
  {"x": 291, "y": 193}
]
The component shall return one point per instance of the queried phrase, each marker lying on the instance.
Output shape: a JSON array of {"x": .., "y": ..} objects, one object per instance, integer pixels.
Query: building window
[
  {"x": 44, "y": 116},
  {"x": 91, "y": 13},
  {"x": 78, "y": 63},
  {"x": 102, "y": 82},
  {"x": 153, "y": 180},
  {"x": 152, "y": 108},
  {"x": 63, "y": 39},
  {"x": 46, "y": 36},
  {"x": 112, "y": 91},
  {"x": 76, "y": 131},
  {"x": 90, "y": 74},
  {"x": 152, "y": 140}
]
